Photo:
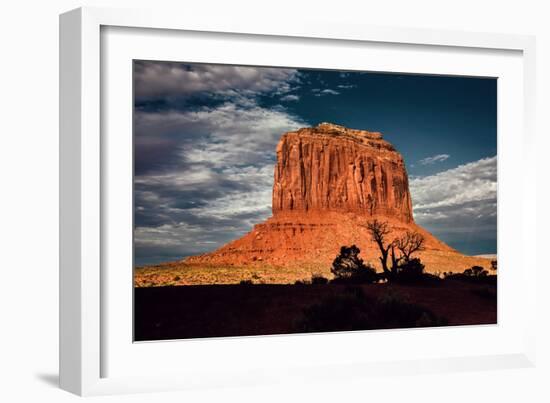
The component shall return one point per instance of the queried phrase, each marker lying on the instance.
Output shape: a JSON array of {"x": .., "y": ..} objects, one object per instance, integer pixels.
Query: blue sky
[{"x": 205, "y": 137}]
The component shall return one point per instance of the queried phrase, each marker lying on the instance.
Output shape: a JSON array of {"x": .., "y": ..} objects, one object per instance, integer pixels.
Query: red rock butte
[{"x": 329, "y": 182}]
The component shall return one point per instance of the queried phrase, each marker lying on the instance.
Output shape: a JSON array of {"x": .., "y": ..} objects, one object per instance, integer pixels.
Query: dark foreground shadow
[{"x": 162, "y": 313}]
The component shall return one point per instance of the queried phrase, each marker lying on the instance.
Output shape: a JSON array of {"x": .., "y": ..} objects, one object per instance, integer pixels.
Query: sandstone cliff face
[
  {"x": 329, "y": 182},
  {"x": 332, "y": 168}
]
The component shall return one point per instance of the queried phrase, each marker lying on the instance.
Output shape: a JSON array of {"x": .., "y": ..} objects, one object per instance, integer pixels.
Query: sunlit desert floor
[
  {"x": 197, "y": 274},
  {"x": 179, "y": 273}
]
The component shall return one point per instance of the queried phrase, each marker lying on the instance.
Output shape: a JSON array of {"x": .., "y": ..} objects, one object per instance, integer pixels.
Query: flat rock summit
[{"x": 329, "y": 182}]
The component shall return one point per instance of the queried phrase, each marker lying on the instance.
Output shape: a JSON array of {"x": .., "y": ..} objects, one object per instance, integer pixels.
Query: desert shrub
[
  {"x": 346, "y": 262},
  {"x": 431, "y": 278},
  {"x": 246, "y": 282},
  {"x": 475, "y": 274},
  {"x": 365, "y": 275},
  {"x": 412, "y": 271},
  {"x": 475, "y": 271},
  {"x": 392, "y": 309},
  {"x": 353, "y": 310},
  {"x": 494, "y": 265},
  {"x": 336, "y": 313},
  {"x": 302, "y": 282},
  {"x": 318, "y": 279},
  {"x": 348, "y": 268}
]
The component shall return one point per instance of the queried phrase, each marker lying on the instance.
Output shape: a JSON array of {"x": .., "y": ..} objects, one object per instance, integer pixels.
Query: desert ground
[
  {"x": 172, "y": 312},
  {"x": 182, "y": 273}
]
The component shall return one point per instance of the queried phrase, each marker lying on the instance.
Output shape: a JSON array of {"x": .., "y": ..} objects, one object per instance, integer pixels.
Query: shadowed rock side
[{"x": 329, "y": 181}]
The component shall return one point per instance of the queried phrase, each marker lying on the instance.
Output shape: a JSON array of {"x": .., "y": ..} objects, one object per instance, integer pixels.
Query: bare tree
[
  {"x": 379, "y": 230},
  {"x": 408, "y": 244}
]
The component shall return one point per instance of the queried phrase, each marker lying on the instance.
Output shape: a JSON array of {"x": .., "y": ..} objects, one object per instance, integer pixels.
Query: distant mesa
[{"x": 329, "y": 181}]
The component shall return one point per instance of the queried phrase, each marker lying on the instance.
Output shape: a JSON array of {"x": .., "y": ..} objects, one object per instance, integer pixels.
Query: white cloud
[
  {"x": 255, "y": 201},
  {"x": 226, "y": 134},
  {"x": 319, "y": 92},
  {"x": 459, "y": 203},
  {"x": 231, "y": 134},
  {"x": 180, "y": 179},
  {"x": 176, "y": 240},
  {"x": 170, "y": 78},
  {"x": 219, "y": 180},
  {"x": 166, "y": 235},
  {"x": 470, "y": 182},
  {"x": 290, "y": 97},
  {"x": 434, "y": 159}
]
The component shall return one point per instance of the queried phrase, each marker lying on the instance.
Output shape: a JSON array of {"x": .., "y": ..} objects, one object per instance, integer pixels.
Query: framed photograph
[{"x": 243, "y": 203}]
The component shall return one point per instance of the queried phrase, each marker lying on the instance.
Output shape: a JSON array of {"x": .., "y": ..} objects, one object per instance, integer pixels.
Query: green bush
[{"x": 348, "y": 268}]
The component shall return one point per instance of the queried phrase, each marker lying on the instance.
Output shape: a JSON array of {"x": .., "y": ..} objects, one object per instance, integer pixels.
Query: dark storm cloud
[
  {"x": 204, "y": 168},
  {"x": 231, "y": 133},
  {"x": 157, "y": 79},
  {"x": 191, "y": 236},
  {"x": 190, "y": 212},
  {"x": 203, "y": 192}
]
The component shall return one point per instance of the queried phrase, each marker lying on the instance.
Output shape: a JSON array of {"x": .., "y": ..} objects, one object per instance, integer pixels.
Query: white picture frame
[{"x": 87, "y": 344}]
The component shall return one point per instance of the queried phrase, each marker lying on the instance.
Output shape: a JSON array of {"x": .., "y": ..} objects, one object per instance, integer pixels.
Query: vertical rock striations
[
  {"x": 329, "y": 182},
  {"x": 332, "y": 168}
]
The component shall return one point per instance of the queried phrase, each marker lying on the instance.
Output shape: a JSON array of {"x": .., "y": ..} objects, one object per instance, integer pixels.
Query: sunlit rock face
[
  {"x": 333, "y": 168},
  {"x": 329, "y": 182}
]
